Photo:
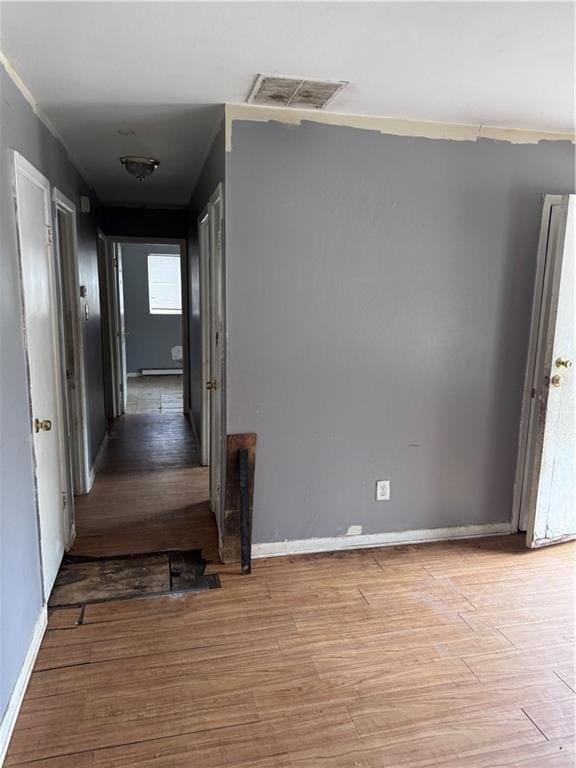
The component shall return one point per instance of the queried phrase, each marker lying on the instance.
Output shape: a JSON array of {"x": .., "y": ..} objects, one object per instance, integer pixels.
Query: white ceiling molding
[
  {"x": 436, "y": 63},
  {"x": 40, "y": 114},
  {"x": 388, "y": 125}
]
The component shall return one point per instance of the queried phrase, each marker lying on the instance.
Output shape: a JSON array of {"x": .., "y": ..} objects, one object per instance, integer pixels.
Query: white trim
[
  {"x": 70, "y": 275},
  {"x": 527, "y": 413},
  {"x": 365, "y": 541},
  {"x": 40, "y": 114},
  {"x": 97, "y": 461},
  {"x": 203, "y": 225},
  {"x": 17, "y": 695},
  {"x": 388, "y": 125},
  {"x": 159, "y": 372}
]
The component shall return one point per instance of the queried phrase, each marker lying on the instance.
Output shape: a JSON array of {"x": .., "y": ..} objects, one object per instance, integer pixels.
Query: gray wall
[
  {"x": 151, "y": 337},
  {"x": 379, "y": 292},
  {"x": 20, "y": 587},
  {"x": 212, "y": 174}
]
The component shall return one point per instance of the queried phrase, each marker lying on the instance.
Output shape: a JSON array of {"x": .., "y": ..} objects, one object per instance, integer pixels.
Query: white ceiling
[{"x": 160, "y": 68}]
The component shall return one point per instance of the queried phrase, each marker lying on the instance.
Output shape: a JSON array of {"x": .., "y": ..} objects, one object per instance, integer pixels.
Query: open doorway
[
  {"x": 152, "y": 287},
  {"x": 146, "y": 347}
]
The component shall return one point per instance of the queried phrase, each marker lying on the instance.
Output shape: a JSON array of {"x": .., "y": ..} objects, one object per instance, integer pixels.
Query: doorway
[{"x": 147, "y": 339}]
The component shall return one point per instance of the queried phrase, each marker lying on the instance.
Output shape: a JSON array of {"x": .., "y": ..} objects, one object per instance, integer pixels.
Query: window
[{"x": 164, "y": 284}]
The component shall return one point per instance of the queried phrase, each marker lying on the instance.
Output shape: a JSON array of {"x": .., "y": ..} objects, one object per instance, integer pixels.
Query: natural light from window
[{"x": 164, "y": 284}]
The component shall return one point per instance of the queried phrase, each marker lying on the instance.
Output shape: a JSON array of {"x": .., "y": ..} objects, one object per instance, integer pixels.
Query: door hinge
[
  {"x": 64, "y": 500},
  {"x": 533, "y": 392},
  {"x": 49, "y": 233}
]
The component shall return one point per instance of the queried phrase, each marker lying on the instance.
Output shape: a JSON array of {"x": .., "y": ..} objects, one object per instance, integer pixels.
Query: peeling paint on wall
[{"x": 388, "y": 125}]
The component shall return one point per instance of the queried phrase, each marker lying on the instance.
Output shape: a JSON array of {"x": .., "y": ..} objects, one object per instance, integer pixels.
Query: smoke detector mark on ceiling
[{"x": 295, "y": 92}]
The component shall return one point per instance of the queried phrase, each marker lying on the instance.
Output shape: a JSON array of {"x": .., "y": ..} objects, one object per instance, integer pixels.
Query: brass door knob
[
  {"x": 556, "y": 380},
  {"x": 211, "y": 384},
  {"x": 563, "y": 362},
  {"x": 42, "y": 425}
]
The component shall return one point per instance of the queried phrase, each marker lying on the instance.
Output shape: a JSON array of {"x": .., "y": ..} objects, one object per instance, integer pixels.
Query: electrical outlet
[{"x": 382, "y": 490}]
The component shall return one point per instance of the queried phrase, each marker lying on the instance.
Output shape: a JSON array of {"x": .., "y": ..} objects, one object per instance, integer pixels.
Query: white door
[
  {"x": 548, "y": 497},
  {"x": 216, "y": 349},
  {"x": 42, "y": 330},
  {"x": 205, "y": 324}
]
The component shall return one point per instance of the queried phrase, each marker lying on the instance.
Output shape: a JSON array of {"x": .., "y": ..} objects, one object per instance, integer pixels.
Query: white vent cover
[{"x": 299, "y": 93}]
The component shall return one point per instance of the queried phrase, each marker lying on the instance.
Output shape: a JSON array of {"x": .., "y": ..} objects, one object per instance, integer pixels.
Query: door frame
[
  {"x": 547, "y": 275},
  {"x": 77, "y": 407},
  {"x": 22, "y": 165},
  {"x": 218, "y": 269},
  {"x": 205, "y": 320},
  {"x": 112, "y": 368}
]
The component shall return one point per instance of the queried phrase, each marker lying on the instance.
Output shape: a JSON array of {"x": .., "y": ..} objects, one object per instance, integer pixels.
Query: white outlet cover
[{"x": 382, "y": 490}]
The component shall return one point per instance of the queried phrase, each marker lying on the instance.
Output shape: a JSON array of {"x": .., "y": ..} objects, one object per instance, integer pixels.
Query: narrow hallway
[{"x": 150, "y": 493}]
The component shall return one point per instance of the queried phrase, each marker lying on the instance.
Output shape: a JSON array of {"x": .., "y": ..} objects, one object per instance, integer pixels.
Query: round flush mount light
[{"x": 140, "y": 167}]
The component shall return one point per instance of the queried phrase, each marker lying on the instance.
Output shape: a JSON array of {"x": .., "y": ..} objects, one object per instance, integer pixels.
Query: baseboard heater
[{"x": 161, "y": 371}]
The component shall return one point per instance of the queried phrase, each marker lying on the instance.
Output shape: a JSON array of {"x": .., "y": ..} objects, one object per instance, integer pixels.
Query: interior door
[
  {"x": 548, "y": 504},
  {"x": 206, "y": 324},
  {"x": 216, "y": 350},
  {"x": 42, "y": 328}
]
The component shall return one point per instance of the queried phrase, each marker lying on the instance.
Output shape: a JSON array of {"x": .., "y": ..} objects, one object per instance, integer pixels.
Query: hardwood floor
[
  {"x": 150, "y": 493},
  {"x": 454, "y": 655}
]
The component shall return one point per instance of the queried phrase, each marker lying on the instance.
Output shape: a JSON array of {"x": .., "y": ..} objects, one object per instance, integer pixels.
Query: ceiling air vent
[{"x": 273, "y": 90}]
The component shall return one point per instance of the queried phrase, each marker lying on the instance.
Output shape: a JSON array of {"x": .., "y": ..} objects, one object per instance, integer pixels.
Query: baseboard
[
  {"x": 162, "y": 372},
  {"x": 97, "y": 461},
  {"x": 365, "y": 541},
  {"x": 9, "y": 719}
]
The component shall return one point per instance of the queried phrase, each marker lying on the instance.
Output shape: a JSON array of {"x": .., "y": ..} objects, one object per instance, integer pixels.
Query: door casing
[
  {"x": 72, "y": 316},
  {"x": 114, "y": 341},
  {"x": 205, "y": 325},
  {"x": 217, "y": 354},
  {"x": 555, "y": 212}
]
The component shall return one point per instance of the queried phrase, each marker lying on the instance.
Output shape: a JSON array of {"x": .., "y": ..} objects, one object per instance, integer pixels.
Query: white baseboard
[
  {"x": 364, "y": 541},
  {"x": 97, "y": 461},
  {"x": 162, "y": 372},
  {"x": 9, "y": 719}
]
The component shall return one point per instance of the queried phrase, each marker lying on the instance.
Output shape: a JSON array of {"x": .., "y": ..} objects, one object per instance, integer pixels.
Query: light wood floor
[
  {"x": 459, "y": 655},
  {"x": 453, "y": 655},
  {"x": 155, "y": 394}
]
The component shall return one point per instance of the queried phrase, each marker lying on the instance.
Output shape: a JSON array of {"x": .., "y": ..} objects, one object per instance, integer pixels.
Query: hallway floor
[
  {"x": 154, "y": 394},
  {"x": 150, "y": 492},
  {"x": 453, "y": 655}
]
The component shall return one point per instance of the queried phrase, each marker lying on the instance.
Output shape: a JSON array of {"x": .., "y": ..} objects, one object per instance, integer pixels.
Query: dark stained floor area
[{"x": 149, "y": 442}]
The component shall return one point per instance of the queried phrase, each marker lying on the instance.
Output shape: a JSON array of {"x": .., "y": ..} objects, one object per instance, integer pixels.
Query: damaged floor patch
[{"x": 83, "y": 580}]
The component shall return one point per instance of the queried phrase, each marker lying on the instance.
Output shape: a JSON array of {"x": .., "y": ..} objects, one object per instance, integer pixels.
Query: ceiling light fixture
[{"x": 140, "y": 167}]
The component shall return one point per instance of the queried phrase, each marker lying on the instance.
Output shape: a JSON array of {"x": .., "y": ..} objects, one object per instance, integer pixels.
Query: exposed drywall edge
[
  {"x": 39, "y": 112},
  {"x": 388, "y": 125},
  {"x": 17, "y": 696},
  {"x": 365, "y": 541}
]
